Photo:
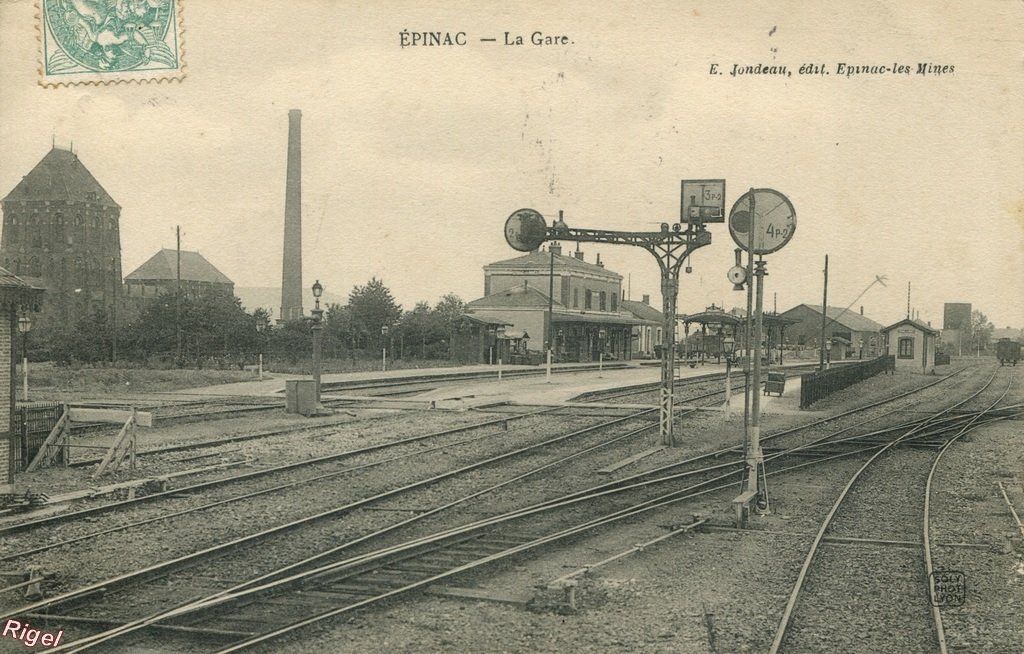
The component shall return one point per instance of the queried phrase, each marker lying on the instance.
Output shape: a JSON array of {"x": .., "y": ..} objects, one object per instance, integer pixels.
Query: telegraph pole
[{"x": 824, "y": 318}]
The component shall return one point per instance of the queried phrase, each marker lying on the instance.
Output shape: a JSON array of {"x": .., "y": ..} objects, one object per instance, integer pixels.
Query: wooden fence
[{"x": 819, "y": 385}]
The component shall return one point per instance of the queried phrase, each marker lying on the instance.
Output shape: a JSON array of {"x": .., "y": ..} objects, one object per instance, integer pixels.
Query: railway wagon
[{"x": 1007, "y": 351}]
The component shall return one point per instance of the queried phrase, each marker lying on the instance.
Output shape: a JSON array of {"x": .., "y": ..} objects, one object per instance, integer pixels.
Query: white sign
[
  {"x": 703, "y": 201},
  {"x": 774, "y": 221}
]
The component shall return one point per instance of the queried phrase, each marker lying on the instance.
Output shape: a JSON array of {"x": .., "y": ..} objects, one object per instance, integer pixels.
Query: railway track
[
  {"x": 874, "y": 596},
  {"x": 718, "y": 473},
  {"x": 332, "y": 588}
]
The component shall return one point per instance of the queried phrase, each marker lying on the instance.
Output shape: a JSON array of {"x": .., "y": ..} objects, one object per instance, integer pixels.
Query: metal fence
[
  {"x": 32, "y": 424},
  {"x": 819, "y": 385}
]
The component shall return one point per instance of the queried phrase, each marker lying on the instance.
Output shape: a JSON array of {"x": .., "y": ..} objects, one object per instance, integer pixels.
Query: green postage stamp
[{"x": 109, "y": 41}]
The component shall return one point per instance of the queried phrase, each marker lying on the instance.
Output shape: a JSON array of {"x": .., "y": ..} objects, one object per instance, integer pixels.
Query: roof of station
[
  {"x": 542, "y": 260},
  {"x": 516, "y": 296},
  {"x": 642, "y": 310}
]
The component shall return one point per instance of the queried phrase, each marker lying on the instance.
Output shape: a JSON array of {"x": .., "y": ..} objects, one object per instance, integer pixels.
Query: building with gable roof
[
  {"x": 648, "y": 338},
  {"x": 61, "y": 233},
  {"x": 159, "y": 275},
  {"x": 913, "y": 344},
  {"x": 853, "y": 335},
  {"x": 586, "y": 318}
]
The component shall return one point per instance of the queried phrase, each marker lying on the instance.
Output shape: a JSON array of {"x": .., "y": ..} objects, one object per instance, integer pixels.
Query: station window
[
  {"x": 575, "y": 298},
  {"x": 604, "y": 301},
  {"x": 615, "y": 302},
  {"x": 588, "y": 299},
  {"x": 906, "y": 348}
]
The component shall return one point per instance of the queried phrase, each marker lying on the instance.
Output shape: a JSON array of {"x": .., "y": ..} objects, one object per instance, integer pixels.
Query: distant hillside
[{"x": 255, "y": 297}]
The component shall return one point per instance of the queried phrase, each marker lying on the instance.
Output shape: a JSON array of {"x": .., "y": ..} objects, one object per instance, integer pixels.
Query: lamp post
[
  {"x": 828, "y": 353},
  {"x": 24, "y": 326},
  {"x": 384, "y": 348},
  {"x": 602, "y": 334},
  {"x": 728, "y": 347},
  {"x": 860, "y": 348},
  {"x": 317, "y": 328},
  {"x": 261, "y": 326}
]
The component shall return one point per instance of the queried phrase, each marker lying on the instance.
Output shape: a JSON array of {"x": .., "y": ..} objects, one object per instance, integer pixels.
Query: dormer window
[{"x": 91, "y": 195}]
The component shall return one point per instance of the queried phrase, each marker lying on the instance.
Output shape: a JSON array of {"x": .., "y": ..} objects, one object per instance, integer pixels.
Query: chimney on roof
[
  {"x": 555, "y": 248},
  {"x": 646, "y": 299},
  {"x": 578, "y": 254},
  {"x": 862, "y": 309},
  {"x": 599, "y": 260}
]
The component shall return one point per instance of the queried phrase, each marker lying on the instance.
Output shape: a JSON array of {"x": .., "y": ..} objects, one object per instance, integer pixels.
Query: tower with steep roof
[{"x": 61, "y": 232}]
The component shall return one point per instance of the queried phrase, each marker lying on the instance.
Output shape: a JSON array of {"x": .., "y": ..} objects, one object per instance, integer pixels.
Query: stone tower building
[{"x": 61, "y": 233}]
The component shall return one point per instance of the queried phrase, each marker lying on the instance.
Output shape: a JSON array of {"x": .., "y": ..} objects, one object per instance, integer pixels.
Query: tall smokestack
[{"x": 291, "y": 272}]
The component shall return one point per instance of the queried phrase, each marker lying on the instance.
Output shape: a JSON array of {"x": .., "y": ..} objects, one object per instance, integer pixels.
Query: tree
[
  {"x": 981, "y": 331},
  {"x": 371, "y": 307},
  {"x": 212, "y": 325},
  {"x": 450, "y": 309}
]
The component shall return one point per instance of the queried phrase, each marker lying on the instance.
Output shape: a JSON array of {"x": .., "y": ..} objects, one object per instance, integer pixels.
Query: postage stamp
[{"x": 109, "y": 41}]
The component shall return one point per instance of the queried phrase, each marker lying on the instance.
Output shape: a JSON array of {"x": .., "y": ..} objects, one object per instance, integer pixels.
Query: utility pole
[
  {"x": 177, "y": 304},
  {"x": 824, "y": 317},
  {"x": 113, "y": 311},
  {"x": 551, "y": 309}
]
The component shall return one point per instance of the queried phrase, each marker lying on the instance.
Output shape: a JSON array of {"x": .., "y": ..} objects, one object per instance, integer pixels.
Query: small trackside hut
[
  {"x": 913, "y": 344},
  {"x": 16, "y": 297}
]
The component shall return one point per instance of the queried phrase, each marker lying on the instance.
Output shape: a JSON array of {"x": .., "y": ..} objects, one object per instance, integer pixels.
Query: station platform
[{"x": 568, "y": 380}]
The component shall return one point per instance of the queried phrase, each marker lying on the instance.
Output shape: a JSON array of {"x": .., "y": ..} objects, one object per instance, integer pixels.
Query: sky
[{"x": 414, "y": 157}]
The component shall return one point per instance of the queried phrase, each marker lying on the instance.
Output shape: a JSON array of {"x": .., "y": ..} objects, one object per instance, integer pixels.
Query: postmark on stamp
[{"x": 109, "y": 41}]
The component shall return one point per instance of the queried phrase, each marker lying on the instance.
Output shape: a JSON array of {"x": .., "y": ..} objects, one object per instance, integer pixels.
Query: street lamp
[
  {"x": 728, "y": 347},
  {"x": 24, "y": 326},
  {"x": 261, "y": 326},
  {"x": 317, "y": 328},
  {"x": 828, "y": 353},
  {"x": 384, "y": 348},
  {"x": 860, "y": 348}
]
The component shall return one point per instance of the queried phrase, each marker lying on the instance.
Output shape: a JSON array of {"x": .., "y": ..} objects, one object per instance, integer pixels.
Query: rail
[{"x": 819, "y": 385}]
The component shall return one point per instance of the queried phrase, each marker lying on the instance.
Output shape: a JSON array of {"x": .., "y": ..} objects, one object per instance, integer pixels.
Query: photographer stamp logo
[
  {"x": 949, "y": 587},
  {"x": 109, "y": 41}
]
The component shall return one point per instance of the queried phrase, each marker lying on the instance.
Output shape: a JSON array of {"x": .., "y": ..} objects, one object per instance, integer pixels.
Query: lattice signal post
[{"x": 526, "y": 229}]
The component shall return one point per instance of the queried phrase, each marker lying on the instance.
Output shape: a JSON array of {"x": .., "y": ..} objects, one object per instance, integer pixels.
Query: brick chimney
[
  {"x": 556, "y": 249},
  {"x": 862, "y": 309},
  {"x": 578, "y": 254},
  {"x": 599, "y": 260},
  {"x": 291, "y": 273},
  {"x": 646, "y": 299}
]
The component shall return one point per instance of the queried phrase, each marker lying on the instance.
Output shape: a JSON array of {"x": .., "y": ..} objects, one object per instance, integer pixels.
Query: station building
[
  {"x": 647, "y": 339},
  {"x": 587, "y": 319},
  {"x": 853, "y": 335},
  {"x": 61, "y": 233},
  {"x": 913, "y": 344}
]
